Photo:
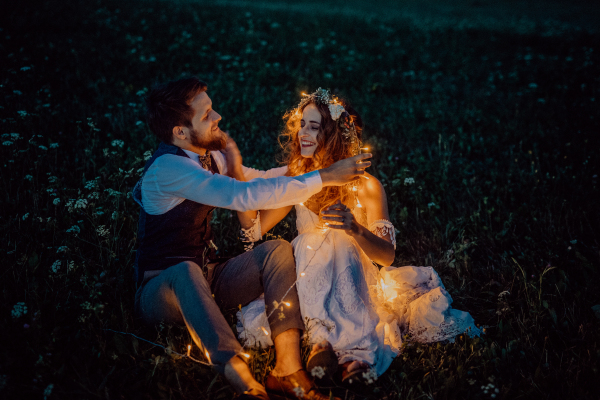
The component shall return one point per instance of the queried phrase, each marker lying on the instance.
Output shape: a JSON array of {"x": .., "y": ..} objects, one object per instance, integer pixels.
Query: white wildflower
[
  {"x": 74, "y": 229},
  {"x": 114, "y": 215},
  {"x": 370, "y": 376},
  {"x": 62, "y": 249},
  {"x": 56, "y": 266},
  {"x": 25, "y": 68},
  {"x": 86, "y": 305},
  {"x": 52, "y": 179},
  {"x": 112, "y": 192},
  {"x": 318, "y": 372},
  {"x": 117, "y": 143},
  {"x": 409, "y": 181},
  {"x": 299, "y": 392},
  {"x": 17, "y": 92},
  {"x": 48, "y": 391},
  {"x": 7, "y": 143},
  {"x": 431, "y": 204},
  {"x": 56, "y": 201},
  {"x": 15, "y": 136},
  {"x": 102, "y": 231},
  {"x": 25, "y": 216},
  {"x": 94, "y": 196},
  {"x": 53, "y": 145},
  {"x": 28, "y": 177},
  {"x": 71, "y": 266},
  {"x": 22, "y": 113},
  {"x": 18, "y": 310},
  {"x": 139, "y": 123},
  {"x": 147, "y": 155},
  {"x": 81, "y": 203},
  {"x": 43, "y": 147}
]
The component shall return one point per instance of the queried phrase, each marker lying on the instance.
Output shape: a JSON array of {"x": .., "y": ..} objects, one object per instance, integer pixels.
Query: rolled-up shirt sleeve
[{"x": 172, "y": 179}]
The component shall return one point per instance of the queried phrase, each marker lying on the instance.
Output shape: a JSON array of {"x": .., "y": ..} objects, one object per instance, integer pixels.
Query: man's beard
[{"x": 215, "y": 143}]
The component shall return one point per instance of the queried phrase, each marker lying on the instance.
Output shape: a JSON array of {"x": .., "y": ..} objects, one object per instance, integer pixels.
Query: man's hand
[
  {"x": 233, "y": 158},
  {"x": 345, "y": 171}
]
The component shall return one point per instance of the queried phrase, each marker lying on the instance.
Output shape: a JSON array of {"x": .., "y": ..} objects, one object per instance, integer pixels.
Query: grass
[{"x": 499, "y": 131}]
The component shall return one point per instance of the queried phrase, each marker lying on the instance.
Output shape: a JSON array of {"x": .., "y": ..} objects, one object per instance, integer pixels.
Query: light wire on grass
[{"x": 167, "y": 350}]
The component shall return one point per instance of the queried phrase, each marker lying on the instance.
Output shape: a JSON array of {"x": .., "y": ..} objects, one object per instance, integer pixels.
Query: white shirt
[{"x": 171, "y": 179}]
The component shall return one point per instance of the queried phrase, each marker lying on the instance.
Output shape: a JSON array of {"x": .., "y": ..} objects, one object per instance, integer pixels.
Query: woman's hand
[
  {"x": 341, "y": 217},
  {"x": 233, "y": 158}
]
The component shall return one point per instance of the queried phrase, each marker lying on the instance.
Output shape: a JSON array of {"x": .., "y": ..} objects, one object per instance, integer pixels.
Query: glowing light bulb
[
  {"x": 358, "y": 204},
  {"x": 364, "y": 148},
  {"x": 308, "y": 247},
  {"x": 245, "y": 355},
  {"x": 326, "y": 223},
  {"x": 301, "y": 204},
  {"x": 266, "y": 332},
  {"x": 302, "y": 274},
  {"x": 189, "y": 349},
  {"x": 208, "y": 357},
  {"x": 354, "y": 189},
  {"x": 287, "y": 303}
]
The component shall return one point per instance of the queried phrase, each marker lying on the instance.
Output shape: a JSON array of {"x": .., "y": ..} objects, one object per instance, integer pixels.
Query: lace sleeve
[
  {"x": 383, "y": 228},
  {"x": 252, "y": 234}
]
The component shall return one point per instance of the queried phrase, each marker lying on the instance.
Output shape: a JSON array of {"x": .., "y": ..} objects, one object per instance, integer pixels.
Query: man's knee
[
  {"x": 189, "y": 271},
  {"x": 279, "y": 249}
]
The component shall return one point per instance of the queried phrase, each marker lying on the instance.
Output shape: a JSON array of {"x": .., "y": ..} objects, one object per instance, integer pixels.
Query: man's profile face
[{"x": 205, "y": 132}]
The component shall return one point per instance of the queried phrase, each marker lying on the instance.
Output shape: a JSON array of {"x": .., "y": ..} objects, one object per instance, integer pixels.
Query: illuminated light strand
[{"x": 189, "y": 349}]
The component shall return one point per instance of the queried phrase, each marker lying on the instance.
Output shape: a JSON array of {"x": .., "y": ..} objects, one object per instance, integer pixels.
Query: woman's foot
[
  {"x": 357, "y": 372},
  {"x": 322, "y": 360}
]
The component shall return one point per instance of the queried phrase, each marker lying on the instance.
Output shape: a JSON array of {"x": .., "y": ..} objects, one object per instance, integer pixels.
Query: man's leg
[
  {"x": 268, "y": 268},
  {"x": 181, "y": 294}
]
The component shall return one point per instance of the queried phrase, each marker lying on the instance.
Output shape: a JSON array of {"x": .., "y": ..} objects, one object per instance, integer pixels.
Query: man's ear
[{"x": 178, "y": 133}]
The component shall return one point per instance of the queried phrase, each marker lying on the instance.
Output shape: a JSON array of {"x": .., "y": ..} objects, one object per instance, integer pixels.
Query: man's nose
[{"x": 216, "y": 116}]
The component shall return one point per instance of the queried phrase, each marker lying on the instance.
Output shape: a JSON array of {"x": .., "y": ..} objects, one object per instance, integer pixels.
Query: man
[{"x": 179, "y": 278}]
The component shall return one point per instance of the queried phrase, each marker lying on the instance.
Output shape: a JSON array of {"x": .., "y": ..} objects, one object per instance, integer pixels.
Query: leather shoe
[
  {"x": 298, "y": 385},
  {"x": 253, "y": 394}
]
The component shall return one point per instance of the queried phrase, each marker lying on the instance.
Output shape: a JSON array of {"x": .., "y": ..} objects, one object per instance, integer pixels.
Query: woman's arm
[
  {"x": 248, "y": 219},
  {"x": 372, "y": 197}
]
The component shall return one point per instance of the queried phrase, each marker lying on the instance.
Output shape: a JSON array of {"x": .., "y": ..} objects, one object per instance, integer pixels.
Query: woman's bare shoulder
[{"x": 371, "y": 189}]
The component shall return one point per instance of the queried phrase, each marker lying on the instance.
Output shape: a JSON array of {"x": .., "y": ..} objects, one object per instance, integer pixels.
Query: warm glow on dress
[{"x": 388, "y": 291}]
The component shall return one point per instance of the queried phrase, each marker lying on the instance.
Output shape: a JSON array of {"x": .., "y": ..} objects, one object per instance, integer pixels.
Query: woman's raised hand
[{"x": 233, "y": 158}]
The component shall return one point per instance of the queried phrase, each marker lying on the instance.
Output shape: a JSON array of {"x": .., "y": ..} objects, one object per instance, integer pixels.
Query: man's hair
[{"x": 167, "y": 106}]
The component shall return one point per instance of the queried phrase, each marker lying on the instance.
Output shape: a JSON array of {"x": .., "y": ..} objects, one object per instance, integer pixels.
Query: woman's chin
[{"x": 307, "y": 155}]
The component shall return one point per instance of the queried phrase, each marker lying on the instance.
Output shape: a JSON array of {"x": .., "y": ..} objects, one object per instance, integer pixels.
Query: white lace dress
[{"x": 362, "y": 311}]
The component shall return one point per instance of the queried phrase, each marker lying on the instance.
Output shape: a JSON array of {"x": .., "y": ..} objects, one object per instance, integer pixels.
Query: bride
[{"x": 355, "y": 314}]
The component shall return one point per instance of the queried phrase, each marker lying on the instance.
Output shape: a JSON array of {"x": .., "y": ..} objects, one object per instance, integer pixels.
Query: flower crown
[{"x": 338, "y": 113}]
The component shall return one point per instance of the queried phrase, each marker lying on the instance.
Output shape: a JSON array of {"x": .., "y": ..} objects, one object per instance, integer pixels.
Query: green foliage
[{"x": 485, "y": 141}]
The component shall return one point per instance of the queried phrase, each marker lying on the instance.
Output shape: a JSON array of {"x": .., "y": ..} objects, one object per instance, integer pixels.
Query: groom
[{"x": 179, "y": 278}]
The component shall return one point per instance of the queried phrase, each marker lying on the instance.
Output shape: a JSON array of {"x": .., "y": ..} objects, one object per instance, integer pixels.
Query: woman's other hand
[{"x": 339, "y": 216}]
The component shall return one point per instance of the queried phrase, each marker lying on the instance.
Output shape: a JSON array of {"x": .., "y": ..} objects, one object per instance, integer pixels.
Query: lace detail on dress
[
  {"x": 382, "y": 228},
  {"x": 252, "y": 234},
  {"x": 346, "y": 293}
]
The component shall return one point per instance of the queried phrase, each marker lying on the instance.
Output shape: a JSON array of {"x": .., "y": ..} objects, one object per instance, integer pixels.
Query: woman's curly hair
[{"x": 330, "y": 139}]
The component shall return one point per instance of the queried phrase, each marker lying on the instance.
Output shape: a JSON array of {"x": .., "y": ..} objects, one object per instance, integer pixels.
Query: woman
[{"x": 350, "y": 307}]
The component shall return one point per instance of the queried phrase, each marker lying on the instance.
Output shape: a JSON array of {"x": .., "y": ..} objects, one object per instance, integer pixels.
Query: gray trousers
[{"x": 181, "y": 294}]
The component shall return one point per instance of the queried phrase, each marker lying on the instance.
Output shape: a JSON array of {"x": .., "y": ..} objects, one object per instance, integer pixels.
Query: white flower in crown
[{"x": 335, "y": 110}]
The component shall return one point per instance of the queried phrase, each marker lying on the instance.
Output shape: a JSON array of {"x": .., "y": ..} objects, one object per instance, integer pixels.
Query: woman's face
[{"x": 309, "y": 129}]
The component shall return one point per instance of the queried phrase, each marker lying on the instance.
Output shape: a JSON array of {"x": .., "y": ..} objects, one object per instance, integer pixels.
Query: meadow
[{"x": 486, "y": 140}]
